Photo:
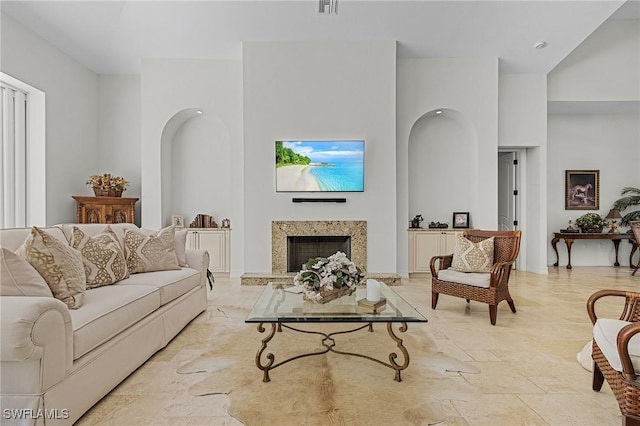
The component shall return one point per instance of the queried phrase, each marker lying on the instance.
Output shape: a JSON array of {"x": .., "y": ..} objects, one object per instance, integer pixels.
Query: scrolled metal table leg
[
  {"x": 271, "y": 358},
  {"x": 392, "y": 356}
]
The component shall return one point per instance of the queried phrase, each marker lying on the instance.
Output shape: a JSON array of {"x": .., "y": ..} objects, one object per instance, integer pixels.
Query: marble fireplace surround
[{"x": 280, "y": 230}]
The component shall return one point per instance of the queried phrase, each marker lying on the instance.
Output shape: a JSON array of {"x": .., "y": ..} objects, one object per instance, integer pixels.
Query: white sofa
[{"x": 56, "y": 363}]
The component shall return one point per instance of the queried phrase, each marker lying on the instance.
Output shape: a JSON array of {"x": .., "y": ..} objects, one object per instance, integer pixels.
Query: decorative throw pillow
[
  {"x": 181, "y": 245},
  {"x": 154, "y": 252},
  {"x": 104, "y": 262},
  {"x": 60, "y": 266},
  {"x": 472, "y": 257},
  {"x": 18, "y": 278}
]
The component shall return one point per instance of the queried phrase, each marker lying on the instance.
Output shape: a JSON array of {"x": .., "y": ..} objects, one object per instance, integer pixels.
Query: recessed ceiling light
[
  {"x": 439, "y": 111},
  {"x": 540, "y": 45}
]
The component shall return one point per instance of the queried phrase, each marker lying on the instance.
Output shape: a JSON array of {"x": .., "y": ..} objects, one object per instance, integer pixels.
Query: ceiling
[{"x": 111, "y": 37}]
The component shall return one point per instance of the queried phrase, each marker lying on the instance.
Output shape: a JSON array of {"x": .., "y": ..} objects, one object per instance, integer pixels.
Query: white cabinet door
[
  {"x": 424, "y": 244},
  {"x": 216, "y": 242}
]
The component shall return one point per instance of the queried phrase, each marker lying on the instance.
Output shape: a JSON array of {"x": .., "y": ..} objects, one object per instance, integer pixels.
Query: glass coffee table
[{"x": 280, "y": 306}]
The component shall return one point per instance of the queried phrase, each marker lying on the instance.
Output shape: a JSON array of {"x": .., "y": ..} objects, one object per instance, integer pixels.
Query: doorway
[{"x": 510, "y": 195}]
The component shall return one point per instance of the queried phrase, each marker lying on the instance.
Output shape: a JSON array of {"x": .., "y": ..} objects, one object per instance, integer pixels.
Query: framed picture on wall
[
  {"x": 461, "y": 219},
  {"x": 582, "y": 190}
]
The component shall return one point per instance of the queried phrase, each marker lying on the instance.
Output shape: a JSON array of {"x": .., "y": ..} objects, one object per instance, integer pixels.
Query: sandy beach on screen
[{"x": 296, "y": 178}]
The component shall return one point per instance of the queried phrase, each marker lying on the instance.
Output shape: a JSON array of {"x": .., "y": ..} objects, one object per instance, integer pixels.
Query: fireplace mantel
[{"x": 280, "y": 230}]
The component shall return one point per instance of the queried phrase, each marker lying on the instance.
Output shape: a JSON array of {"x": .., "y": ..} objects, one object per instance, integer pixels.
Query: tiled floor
[{"x": 529, "y": 374}]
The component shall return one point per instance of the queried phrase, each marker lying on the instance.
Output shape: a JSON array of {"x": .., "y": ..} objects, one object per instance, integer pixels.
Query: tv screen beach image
[{"x": 320, "y": 166}]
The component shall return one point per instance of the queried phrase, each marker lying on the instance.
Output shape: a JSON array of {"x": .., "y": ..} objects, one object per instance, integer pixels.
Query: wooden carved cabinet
[{"x": 105, "y": 209}]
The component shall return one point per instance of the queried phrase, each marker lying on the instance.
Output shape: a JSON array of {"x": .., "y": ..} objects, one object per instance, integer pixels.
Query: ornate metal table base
[{"x": 329, "y": 345}]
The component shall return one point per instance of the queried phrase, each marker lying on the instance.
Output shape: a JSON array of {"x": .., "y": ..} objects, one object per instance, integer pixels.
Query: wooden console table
[{"x": 569, "y": 238}]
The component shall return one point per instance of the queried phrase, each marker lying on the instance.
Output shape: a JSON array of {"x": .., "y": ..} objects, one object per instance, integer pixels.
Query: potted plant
[
  {"x": 324, "y": 279},
  {"x": 105, "y": 185},
  {"x": 591, "y": 222},
  {"x": 631, "y": 198}
]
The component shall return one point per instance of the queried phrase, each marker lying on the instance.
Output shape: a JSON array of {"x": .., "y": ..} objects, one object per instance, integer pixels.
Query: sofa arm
[
  {"x": 199, "y": 260},
  {"x": 35, "y": 331}
]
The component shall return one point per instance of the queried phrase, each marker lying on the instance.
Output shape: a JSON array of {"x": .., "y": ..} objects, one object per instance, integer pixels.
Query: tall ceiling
[{"x": 111, "y": 37}]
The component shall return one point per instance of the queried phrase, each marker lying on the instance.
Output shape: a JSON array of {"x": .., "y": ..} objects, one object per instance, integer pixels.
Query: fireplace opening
[{"x": 301, "y": 248}]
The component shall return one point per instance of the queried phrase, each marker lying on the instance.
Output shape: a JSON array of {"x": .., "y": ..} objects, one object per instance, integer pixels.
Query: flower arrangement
[
  {"x": 591, "y": 221},
  {"x": 320, "y": 276},
  {"x": 107, "y": 182}
]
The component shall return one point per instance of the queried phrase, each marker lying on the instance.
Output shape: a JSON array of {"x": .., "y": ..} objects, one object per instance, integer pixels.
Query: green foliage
[
  {"x": 630, "y": 198},
  {"x": 287, "y": 157},
  {"x": 591, "y": 221}
]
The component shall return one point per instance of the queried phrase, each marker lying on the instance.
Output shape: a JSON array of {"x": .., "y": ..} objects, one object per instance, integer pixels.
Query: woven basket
[
  {"x": 336, "y": 293},
  {"x": 104, "y": 192}
]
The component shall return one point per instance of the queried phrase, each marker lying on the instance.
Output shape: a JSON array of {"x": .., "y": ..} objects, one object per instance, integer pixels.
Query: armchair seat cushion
[
  {"x": 605, "y": 333},
  {"x": 476, "y": 279}
]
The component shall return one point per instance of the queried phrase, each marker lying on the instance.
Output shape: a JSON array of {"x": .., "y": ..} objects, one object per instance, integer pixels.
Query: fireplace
[
  {"x": 353, "y": 231},
  {"x": 301, "y": 248}
]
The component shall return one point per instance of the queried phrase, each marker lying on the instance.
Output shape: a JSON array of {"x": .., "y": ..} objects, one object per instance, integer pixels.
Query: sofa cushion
[
  {"x": 172, "y": 284},
  {"x": 103, "y": 259},
  {"x": 477, "y": 279},
  {"x": 472, "y": 257},
  {"x": 60, "y": 266},
  {"x": 153, "y": 252},
  {"x": 19, "y": 278},
  {"x": 108, "y": 311},
  {"x": 605, "y": 333},
  {"x": 181, "y": 247}
]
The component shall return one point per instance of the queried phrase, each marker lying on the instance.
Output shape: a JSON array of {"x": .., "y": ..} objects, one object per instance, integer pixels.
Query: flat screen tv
[{"x": 320, "y": 166}]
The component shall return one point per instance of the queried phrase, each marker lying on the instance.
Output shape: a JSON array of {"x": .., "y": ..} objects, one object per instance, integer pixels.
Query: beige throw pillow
[
  {"x": 472, "y": 257},
  {"x": 18, "y": 278},
  {"x": 103, "y": 259},
  {"x": 154, "y": 252},
  {"x": 60, "y": 266}
]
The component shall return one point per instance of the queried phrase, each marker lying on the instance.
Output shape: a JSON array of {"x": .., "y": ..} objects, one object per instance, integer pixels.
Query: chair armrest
[
  {"x": 443, "y": 263},
  {"x": 632, "y": 299},
  {"x": 500, "y": 273},
  {"x": 624, "y": 335},
  {"x": 198, "y": 260},
  {"x": 37, "y": 329}
]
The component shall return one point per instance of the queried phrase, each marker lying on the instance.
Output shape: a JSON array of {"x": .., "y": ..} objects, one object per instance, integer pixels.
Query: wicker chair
[
  {"x": 617, "y": 366},
  {"x": 635, "y": 227},
  {"x": 506, "y": 248}
]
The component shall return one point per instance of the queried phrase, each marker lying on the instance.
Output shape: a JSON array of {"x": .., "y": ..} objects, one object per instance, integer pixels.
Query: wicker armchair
[
  {"x": 614, "y": 355},
  {"x": 635, "y": 227},
  {"x": 506, "y": 248}
]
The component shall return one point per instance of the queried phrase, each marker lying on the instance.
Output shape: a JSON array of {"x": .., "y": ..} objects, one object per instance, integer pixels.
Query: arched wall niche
[
  {"x": 442, "y": 166},
  {"x": 166, "y": 162},
  {"x": 201, "y": 157}
]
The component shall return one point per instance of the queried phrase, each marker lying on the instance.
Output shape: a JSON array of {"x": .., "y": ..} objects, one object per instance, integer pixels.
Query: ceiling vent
[{"x": 328, "y": 7}]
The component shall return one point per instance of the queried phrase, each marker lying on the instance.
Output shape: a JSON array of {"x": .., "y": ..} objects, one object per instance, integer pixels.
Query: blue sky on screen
[{"x": 327, "y": 151}]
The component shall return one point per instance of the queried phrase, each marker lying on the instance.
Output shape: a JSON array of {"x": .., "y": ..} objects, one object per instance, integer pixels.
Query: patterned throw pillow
[
  {"x": 472, "y": 257},
  {"x": 59, "y": 265},
  {"x": 104, "y": 262},
  {"x": 19, "y": 278},
  {"x": 154, "y": 252}
]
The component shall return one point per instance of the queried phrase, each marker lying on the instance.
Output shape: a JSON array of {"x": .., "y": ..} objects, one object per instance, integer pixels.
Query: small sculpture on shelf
[
  {"x": 415, "y": 222},
  {"x": 226, "y": 223},
  {"x": 438, "y": 225}
]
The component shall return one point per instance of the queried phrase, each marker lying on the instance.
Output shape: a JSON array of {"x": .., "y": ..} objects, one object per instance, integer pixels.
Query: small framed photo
[
  {"x": 177, "y": 220},
  {"x": 461, "y": 219},
  {"x": 582, "y": 190}
]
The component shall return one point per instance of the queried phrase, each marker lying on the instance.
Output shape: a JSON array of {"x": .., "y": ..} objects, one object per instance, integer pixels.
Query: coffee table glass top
[{"x": 279, "y": 303}]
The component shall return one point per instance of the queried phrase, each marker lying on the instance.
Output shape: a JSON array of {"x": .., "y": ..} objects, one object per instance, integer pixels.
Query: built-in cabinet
[
  {"x": 217, "y": 242},
  {"x": 426, "y": 243}
]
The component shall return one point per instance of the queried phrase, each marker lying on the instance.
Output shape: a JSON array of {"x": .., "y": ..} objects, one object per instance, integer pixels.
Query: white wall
[
  {"x": 470, "y": 88},
  {"x": 605, "y": 67},
  {"x": 207, "y": 159},
  {"x": 609, "y": 143},
  {"x": 320, "y": 90},
  {"x": 72, "y": 113},
  {"x": 119, "y": 109},
  {"x": 523, "y": 128}
]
